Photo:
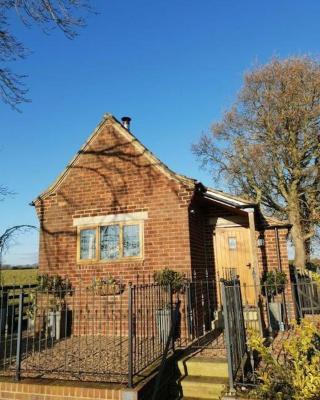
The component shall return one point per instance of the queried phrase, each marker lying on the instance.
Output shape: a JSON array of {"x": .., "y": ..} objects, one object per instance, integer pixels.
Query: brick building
[{"x": 118, "y": 210}]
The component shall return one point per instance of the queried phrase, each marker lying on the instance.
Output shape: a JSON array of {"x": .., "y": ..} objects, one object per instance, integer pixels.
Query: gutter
[{"x": 203, "y": 190}]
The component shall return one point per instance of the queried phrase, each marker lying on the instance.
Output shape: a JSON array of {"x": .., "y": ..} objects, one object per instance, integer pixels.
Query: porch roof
[
  {"x": 229, "y": 199},
  {"x": 239, "y": 204}
]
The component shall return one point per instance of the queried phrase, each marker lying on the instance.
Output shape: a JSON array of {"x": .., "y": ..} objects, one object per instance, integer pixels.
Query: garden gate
[{"x": 235, "y": 332}]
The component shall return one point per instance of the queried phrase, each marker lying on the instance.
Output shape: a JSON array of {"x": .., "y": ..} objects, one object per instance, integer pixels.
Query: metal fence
[
  {"x": 198, "y": 303},
  {"x": 83, "y": 333},
  {"x": 276, "y": 307},
  {"x": 110, "y": 332},
  {"x": 118, "y": 333},
  {"x": 149, "y": 322},
  {"x": 307, "y": 295},
  {"x": 235, "y": 332}
]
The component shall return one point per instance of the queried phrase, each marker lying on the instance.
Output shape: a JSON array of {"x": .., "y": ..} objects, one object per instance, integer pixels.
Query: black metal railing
[
  {"x": 199, "y": 305},
  {"x": 64, "y": 334},
  {"x": 89, "y": 332},
  {"x": 14, "y": 301},
  {"x": 235, "y": 332},
  {"x": 169, "y": 345},
  {"x": 86, "y": 332},
  {"x": 276, "y": 306},
  {"x": 149, "y": 324},
  {"x": 113, "y": 332},
  {"x": 307, "y": 295}
]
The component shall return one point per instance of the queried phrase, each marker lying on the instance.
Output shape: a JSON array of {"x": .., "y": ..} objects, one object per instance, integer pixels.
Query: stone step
[
  {"x": 203, "y": 388},
  {"x": 191, "y": 398},
  {"x": 203, "y": 366}
]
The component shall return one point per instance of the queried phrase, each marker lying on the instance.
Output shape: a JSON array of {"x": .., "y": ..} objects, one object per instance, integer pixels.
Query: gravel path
[{"x": 86, "y": 358}]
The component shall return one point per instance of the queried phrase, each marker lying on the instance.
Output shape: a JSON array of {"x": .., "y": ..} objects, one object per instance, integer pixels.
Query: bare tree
[
  {"x": 10, "y": 235},
  {"x": 48, "y": 14},
  {"x": 3, "y": 192},
  {"x": 267, "y": 146}
]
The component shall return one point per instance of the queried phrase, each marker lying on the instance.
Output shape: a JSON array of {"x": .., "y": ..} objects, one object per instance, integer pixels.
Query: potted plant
[
  {"x": 107, "y": 286},
  {"x": 57, "y": 288},
  {"x": 54, "y": 284},
  {"x": 168, "y": 278},
  {"x": 273, "y": 284}
]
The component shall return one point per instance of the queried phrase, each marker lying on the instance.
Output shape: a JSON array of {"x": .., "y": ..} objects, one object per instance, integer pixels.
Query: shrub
[
  {"x": 107, "y": 286},
  {"x": 312, "y": 266},
  {"x": 54, "y": 284},
  {"x": 296, "y": 374},
  {"x": 273, "y": 282},
  {"x": 168, "y": 277},
  {"x": 315, "y": 277}
]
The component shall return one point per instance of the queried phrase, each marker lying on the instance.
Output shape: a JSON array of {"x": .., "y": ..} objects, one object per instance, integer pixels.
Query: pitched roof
[
  {"x": 240, "y": 203},
  {"x": 215, "y": 195},
  {"x": 110, "y": 119},
  {"x": 235, "y": 200}
]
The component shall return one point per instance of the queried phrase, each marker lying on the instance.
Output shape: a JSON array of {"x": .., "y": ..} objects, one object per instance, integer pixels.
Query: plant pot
[
  {"x": 54, "y": 324},
  {"x": 109, "y": 290},
  {"x": 31, "y": 324},
  {"x": 59, "y": 324},
  {"x": 275, "y": 313},
  {"x": 163, "y": 321}
]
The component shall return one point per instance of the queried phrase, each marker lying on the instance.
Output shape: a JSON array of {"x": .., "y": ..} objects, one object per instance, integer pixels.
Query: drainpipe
[
  {"x": 254, "y": 259},
  {"x": 276, "y": 234}
]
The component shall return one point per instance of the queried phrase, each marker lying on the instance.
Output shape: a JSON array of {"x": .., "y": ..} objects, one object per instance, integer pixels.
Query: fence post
[
  {"x": 295, "y": 290},
  {"x": 172, "y": 314},
  {"x": 189, "y": 312},
  {"x": 19, "y": 336},
  {"x": 227, "y": 337},
  {"x": 130, "y": 337},
  {"x": 257, "y": 301}
]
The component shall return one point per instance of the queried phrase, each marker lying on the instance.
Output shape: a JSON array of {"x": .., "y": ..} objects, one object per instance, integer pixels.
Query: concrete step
[
  {"x": 192, "y": 398},
  {"x": 206, "y": 388},
  {"x": 203, "y": 366}
]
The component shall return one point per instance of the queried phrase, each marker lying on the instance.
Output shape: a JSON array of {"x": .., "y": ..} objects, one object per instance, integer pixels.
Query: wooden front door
[{"x": 233, "y": 257}]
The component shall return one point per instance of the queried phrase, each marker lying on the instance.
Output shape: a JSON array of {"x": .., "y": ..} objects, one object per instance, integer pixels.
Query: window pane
[
  {"x": 109, "y": 242},
  {"x": 232, "y": 243},
  {"x": 131, "y": 241},
  {"x": 87, "y": 244}
]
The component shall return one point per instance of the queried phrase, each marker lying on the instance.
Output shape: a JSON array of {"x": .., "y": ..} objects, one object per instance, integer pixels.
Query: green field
[{"x": 18, "y": 276}]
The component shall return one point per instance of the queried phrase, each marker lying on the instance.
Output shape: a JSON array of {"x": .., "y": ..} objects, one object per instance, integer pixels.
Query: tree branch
[{"x": 10, "y": 235}]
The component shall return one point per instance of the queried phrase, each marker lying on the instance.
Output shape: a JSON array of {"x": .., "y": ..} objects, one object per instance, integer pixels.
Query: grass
[{"x": 18, "y": 276}]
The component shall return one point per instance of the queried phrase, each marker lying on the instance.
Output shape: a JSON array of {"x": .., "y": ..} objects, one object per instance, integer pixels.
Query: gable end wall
[{"x": 112, "y": 177}]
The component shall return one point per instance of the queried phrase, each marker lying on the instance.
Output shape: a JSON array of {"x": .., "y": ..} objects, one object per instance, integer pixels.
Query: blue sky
[{"x": 173, "y": 66}]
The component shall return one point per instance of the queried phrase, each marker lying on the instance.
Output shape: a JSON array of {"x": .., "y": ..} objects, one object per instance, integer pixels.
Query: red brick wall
[
  {"x": 41, "y": 391},
  {"x": 267, "y": 255},
  {"x": 268, "y": 260},
  {"x": 113, "y": 177},
  {"x": 197, "y": 224}
]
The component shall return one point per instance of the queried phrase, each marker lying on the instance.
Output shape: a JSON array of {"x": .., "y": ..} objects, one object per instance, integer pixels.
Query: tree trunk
[
  {"x": 307, "y": 246},
  {"x": 300, "y": 256}
]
